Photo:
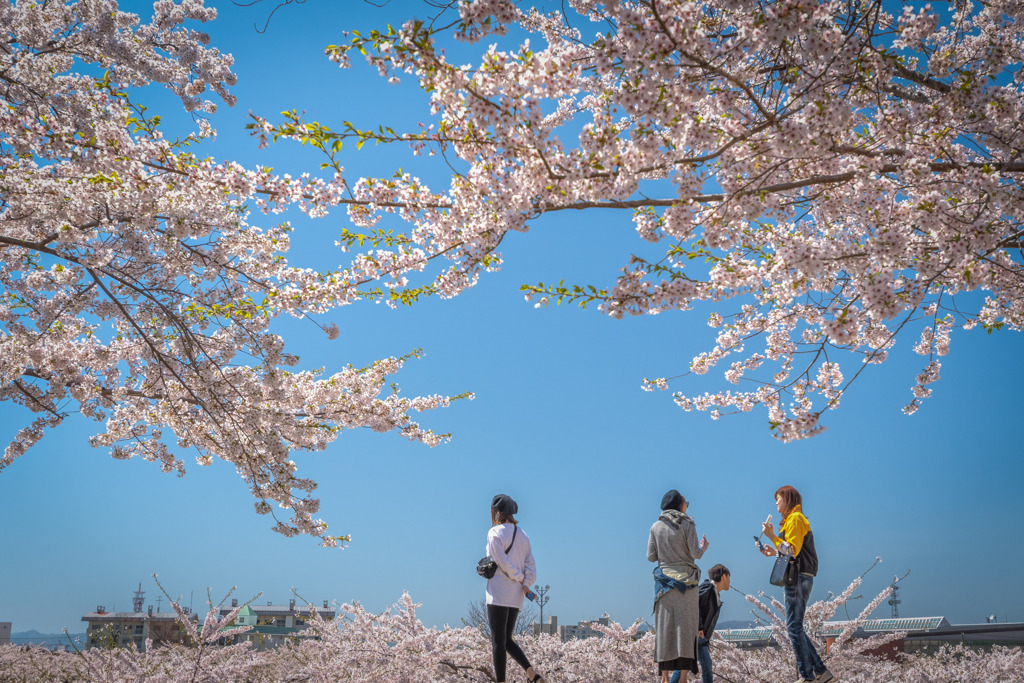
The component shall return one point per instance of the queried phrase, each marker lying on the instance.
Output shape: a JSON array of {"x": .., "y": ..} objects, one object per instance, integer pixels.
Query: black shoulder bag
[
  {"x": 487, "y": 567},
  {"x": 784, "y": 571}
]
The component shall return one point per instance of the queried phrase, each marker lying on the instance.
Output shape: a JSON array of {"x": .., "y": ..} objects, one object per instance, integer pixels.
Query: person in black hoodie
[{"x": 710, "y": 607}]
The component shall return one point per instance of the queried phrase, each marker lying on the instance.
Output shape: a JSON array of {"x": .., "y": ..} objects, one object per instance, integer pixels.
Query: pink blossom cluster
[
  {"x": 836, "y": 174},
  {"x": 134, "y": 289}
]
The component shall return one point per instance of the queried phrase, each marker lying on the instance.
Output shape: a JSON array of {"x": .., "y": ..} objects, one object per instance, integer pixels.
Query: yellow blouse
[{"x": 794, "y": 527}]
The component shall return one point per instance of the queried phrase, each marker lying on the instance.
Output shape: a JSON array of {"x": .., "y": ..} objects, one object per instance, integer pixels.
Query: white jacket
[{"x": 515, "y": 569}]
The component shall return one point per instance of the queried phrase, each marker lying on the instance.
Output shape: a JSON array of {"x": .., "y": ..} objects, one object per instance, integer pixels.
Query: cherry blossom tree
[
  {"x": 134, "y": 289},
  {"x": 820, "y": 178}
]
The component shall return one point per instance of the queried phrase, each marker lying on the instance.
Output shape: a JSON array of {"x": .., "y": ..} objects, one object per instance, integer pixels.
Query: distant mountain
[
  {"x": 734, "y": 624},
  {"x": 37, "y": 638}
]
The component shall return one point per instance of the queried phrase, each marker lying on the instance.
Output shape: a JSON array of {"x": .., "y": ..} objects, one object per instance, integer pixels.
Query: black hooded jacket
[{"x": 710, "y": 607}]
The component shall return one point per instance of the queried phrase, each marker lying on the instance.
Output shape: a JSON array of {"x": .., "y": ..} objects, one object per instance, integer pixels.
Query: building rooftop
[
  {"x": 281, "y": 609},
  {"x": 746, "y": 634},
  {"x": 908, "y": 624},
  {"x": 130, "y": 616}
]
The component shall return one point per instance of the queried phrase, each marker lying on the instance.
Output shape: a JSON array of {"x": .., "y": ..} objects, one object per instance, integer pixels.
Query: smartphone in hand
[
  {"x": 530, "y": 595},
  {"x": 760, "y": 546}
]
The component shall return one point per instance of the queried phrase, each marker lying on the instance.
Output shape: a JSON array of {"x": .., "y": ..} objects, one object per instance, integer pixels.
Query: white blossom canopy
[
  {"x": 827, "y": 175},
  {"x": 134, "y": 289}
]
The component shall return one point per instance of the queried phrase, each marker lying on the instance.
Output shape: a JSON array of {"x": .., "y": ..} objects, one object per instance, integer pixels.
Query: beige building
[
  {"x": 584, "y": 629},
  {"x": 579, "y": 631},
  {"x": 132, "y": 629},
  {"x": 270, "y": 625},
  {"x": 550, "y": 628}
]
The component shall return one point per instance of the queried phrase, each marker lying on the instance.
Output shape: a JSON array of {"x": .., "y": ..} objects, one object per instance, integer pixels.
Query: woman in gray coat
[{"x": 673, "y": 545}]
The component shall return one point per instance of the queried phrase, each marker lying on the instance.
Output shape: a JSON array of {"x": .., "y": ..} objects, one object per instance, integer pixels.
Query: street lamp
[{"x": 542, "y": 599}]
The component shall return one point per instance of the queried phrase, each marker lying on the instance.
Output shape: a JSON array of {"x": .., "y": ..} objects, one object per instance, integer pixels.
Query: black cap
[
  {"x": 672, "y": 500},
  {"x": 504, "y": 504}
]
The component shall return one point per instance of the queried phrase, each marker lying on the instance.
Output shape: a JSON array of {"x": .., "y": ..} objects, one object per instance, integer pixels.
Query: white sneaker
[
  {"x": 804, "y": 680},
  {"x": 824, "y": 677}
]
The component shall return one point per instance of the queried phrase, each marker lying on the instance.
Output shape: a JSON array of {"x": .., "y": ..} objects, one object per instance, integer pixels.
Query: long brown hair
[
  {"x": 502, "y": 518},
  {"x": 790, "y": 499}
]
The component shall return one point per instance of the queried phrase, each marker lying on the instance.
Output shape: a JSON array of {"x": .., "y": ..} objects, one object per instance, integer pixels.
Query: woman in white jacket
[{"x": 509, "y": 547}]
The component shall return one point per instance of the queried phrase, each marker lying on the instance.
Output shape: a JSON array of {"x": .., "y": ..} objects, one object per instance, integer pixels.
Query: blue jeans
[
  {"x": 807, "y": 659},
  {"x": 704, "y": 659}
]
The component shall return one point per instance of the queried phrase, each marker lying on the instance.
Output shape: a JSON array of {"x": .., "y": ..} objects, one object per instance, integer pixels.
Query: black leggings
[{"x": 502, "y": 621}]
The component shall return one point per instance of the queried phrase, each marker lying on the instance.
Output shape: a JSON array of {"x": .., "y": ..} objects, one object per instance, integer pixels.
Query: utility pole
[{"x": 542, "y": 599}]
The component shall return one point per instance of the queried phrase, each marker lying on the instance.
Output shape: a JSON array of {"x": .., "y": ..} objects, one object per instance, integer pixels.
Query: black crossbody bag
[{"x": 487, "y": 567}]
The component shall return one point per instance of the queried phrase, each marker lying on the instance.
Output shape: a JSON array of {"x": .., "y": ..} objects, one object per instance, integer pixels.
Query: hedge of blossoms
[
  {"x": 395, "y": 646},
  {"x": 826, "y": 176},
  {"x": 133, "y": 288}
]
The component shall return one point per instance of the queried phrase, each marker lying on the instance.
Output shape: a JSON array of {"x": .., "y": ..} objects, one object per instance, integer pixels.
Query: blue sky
[{"x": 559, "y": 422}]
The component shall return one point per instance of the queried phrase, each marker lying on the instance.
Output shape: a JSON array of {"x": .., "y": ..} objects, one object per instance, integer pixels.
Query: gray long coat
[{"x": 676, "y": 615}]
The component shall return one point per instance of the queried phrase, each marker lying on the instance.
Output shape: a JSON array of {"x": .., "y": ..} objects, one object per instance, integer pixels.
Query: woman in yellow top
[{"x": 796, "y": 538}]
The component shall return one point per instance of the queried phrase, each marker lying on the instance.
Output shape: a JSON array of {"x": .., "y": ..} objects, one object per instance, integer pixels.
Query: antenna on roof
[
  {"x": 895, "y": 601},
  {"x": 139, "y": 600}
]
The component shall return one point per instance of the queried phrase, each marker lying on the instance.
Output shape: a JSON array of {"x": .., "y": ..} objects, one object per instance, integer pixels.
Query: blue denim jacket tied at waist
[{"x": 680, "y": 577}]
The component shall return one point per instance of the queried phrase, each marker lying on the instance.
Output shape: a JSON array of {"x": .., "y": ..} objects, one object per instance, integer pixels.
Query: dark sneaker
[{"x": 824, "y": 677}]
